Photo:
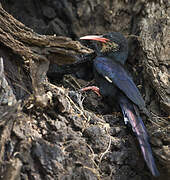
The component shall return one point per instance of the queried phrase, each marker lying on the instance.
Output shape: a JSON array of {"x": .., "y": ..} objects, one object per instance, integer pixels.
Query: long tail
[{"x": 131, "y": 115}]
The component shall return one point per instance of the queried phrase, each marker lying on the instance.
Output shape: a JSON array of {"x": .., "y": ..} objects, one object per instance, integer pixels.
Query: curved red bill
[{"x": 95, "y": 38}]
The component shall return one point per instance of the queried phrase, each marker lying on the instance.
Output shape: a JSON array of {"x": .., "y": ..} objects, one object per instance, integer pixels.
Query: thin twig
[{"x": 105, "y": 152}]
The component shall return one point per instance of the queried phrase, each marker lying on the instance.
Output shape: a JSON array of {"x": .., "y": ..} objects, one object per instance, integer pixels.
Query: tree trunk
[{"x": 49, "y": 131}]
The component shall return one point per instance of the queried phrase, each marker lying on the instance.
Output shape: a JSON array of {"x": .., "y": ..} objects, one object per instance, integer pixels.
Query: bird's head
[{"x": 113, "y": 45}]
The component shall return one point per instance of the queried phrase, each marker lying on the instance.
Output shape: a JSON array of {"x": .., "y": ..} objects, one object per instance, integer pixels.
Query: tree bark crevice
[{"x": 53, "y": 131}]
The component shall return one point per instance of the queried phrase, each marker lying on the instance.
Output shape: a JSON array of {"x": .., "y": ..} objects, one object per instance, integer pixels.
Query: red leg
[{"x": 93, "y": 88}]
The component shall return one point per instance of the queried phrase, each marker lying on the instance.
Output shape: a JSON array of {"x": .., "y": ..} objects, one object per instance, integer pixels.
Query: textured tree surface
[{"x": 48, "y": 128}]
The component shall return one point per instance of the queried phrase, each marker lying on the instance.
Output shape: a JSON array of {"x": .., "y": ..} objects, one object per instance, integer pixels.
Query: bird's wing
[{"x": 116, "y": 74}]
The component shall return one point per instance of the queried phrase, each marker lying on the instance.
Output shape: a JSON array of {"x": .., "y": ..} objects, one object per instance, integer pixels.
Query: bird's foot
[{"x": 93, "y": 88}]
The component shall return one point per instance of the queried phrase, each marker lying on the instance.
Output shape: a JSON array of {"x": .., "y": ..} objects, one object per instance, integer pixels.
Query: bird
[{"x": 115, "y": 83}]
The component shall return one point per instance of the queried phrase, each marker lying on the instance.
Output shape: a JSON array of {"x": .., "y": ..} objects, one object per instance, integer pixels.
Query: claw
[{"x": 93, "y": 88}]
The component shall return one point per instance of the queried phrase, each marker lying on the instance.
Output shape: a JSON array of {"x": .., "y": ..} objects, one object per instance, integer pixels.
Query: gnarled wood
[
  {"x": 28, "y": 44},
  {"x": 37, "y": 49},
  {"x": 52, "y": 134},
  {"x": 155, "y": 42}
]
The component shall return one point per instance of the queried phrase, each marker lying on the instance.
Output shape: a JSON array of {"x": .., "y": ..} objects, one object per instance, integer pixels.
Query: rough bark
[
  {"x": 52, "y": 132},
  {"x": 30, "y": 45},
  {"x": 37, "y": 50},
  {"x": 155, "y": 57},
  {"x": 155, "y": 43}
]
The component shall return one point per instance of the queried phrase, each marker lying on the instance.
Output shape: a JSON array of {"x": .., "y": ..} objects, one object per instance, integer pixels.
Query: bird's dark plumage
[
  {"x": 121, "y": 53},
  {"x": 118, "y": 76},
  {"x": 114, "y": 82}
]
